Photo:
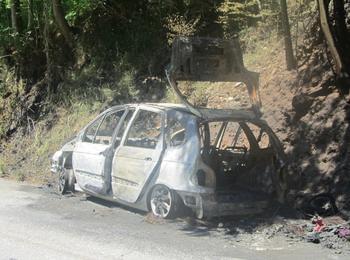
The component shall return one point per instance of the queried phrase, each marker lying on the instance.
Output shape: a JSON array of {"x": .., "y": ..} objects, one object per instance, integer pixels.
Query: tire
[
  {"x": 164, "y": 203},
  {"x": 66, "y": 181},
  {"x": 71, "y": 180}
]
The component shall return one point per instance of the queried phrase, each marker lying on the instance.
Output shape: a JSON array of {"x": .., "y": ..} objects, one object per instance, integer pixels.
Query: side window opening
[
  {"x": 214, "y": 128},
  {"x": 145, "y": 132},
  {"x": 204, "y": 135},
  {"x": 260, "y": 135},
  {"x": 123, "y": 127},
  {"x": 234, "y": 138},
  {"x": 229, "y": 151},
  {"x": 228, "y": 135},
  {"x": 176, "y": 132},
  {"x": 107, "y": 128},
  {"x": 90, "y": 132}
]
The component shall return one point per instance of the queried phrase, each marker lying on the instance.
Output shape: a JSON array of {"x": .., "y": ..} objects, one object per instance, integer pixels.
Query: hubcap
[{"x": 161, "y": 201}]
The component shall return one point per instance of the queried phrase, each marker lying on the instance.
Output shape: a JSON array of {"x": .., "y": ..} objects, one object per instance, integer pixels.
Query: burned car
[{"x": 162, "y": 157}]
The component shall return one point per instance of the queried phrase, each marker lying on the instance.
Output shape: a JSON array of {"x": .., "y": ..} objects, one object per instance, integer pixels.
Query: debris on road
[{"x": 319, "y": 224}]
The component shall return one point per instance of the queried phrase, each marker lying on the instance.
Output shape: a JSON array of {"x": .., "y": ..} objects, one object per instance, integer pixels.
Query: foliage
[
  {"x": 177, "y": 25},
  {"x": 2, "y": 169},
  {"x": 118, "y": 45},
  {"x": 78, "y": 8},
  {"x": 236, "y": 15},
  {"x": 49, "y": 88}
]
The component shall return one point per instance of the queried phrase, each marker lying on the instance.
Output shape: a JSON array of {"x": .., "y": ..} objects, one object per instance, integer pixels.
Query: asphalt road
[{"x": 37, "y": 223}]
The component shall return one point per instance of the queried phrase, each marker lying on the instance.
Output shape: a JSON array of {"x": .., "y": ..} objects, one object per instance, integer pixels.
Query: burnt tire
[
  {"x": 164, "y": 202},
  {"x": 66, "y": 181}
]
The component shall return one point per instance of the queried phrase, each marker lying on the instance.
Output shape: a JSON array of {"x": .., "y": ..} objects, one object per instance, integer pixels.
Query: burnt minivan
[{"x": 162, "y": 157}]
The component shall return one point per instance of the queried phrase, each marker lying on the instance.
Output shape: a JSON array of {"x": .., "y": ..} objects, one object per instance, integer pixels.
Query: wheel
[
  {"x": 163, "y": 202},
  {"x": 66, "y": 181},
  {"x": 62, "y": 181}
]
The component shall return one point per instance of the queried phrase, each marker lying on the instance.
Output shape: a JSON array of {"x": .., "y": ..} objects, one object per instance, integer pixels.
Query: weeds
[
  {"x": 20, "y": 176},
  {"x": 2, "y": 169}
]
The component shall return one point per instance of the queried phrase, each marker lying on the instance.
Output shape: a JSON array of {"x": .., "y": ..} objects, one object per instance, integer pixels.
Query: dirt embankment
[{"x": 309, "y": 111}]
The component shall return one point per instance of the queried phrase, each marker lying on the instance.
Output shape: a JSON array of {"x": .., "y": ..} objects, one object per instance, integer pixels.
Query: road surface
[{"x": 37, "y": 223}]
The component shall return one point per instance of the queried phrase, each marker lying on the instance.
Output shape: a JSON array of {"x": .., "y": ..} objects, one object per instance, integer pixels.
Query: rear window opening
[
  {"x": 240, "y": 154},
  {"x": 216, "y": 95}
]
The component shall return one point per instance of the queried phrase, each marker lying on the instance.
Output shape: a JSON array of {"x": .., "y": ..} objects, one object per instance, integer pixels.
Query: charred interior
[{"x": 241, "y": 155}]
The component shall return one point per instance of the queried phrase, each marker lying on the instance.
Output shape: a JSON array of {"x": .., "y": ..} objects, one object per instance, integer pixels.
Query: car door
[
  {"x": 137, "y": 157},
  {"x": 91, "y": 153}
]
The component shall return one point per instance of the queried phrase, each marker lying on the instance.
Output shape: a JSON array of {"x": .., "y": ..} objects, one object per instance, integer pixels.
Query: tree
[
  {"x": 236, "y": 15},
  {"x": 290, "y": 59},
  {"x": 336, "y": 38},
  {"x": 62, "y": 22},
  {"x": 30, "y": 15},
  {"x": 343, "y": 42},
  {"x": 15, "y": 15},
  {"x": 46, "y": 40}
]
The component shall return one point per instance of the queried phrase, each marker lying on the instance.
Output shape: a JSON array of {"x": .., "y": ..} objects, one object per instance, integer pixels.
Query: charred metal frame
[
  {"x": 176, "y": 167},
  {"x": 215, "y": 60}
]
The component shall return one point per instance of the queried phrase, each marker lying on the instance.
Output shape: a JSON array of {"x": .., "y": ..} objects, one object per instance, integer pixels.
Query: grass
[
  {"x": 196, "y": 91},
  {"x": 2, "y": 169},
  {"x": 69, "y": 122},
  {"x": 20, "y": 176},
  {"x": 82, "y": 96},
  {"x": 27, "y": 157}
]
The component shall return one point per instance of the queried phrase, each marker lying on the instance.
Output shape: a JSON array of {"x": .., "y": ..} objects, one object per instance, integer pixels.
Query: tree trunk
[
  {"x": 343, "y": 42},
  {"x": 30, "y": 15},
  {"x": 7, "y": 13},
  {"x": 259, "y": 5},
  {"x": 62, "y": 22},
  {"x": 15, "y": 15},
  {"x": 290, "y": 59},
  {"x": 332, "y": 44},
  {"x": 49, "y": 67}
]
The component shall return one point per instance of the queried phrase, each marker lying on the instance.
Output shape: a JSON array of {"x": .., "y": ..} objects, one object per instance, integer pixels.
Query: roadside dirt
[
  {"x": 37, "y": 219},
  {"x": 278, "y": 229}
]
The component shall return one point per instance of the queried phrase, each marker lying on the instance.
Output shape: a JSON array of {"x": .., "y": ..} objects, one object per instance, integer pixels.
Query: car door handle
[{"x": 148, "y": 159}]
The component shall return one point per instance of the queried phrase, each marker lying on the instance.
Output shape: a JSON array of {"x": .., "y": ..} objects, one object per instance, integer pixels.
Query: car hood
[{"x": 69, "y": 144}]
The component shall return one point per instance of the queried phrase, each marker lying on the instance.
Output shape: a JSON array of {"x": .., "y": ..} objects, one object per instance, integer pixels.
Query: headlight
[
  {"x": 56, "y": 156},
  {"x": 55, "y": 161}
]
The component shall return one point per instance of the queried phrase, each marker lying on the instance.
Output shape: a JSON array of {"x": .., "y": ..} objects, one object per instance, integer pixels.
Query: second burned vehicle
[{"x": 161, "y": 157}]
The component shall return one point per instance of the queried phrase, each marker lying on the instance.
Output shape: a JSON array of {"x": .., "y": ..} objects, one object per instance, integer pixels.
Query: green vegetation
[
  {"x": 57, "y": 53},
  {"x": 2, "y": 169},
  {"x": 63, "y": 61}
]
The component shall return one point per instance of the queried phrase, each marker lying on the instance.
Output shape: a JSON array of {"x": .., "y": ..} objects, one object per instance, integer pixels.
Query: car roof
[
  {"x": 163, "y": 106},
  {"x": 211, "y": 114}
]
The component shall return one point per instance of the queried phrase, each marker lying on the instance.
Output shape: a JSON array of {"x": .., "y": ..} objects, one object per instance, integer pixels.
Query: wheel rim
[
  {"x": 161, "y": 201},
  {"x": 61, "y": 181}
]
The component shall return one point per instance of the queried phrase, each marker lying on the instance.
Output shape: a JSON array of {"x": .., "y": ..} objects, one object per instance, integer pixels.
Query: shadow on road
[{"x": 111, "y": 204}]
